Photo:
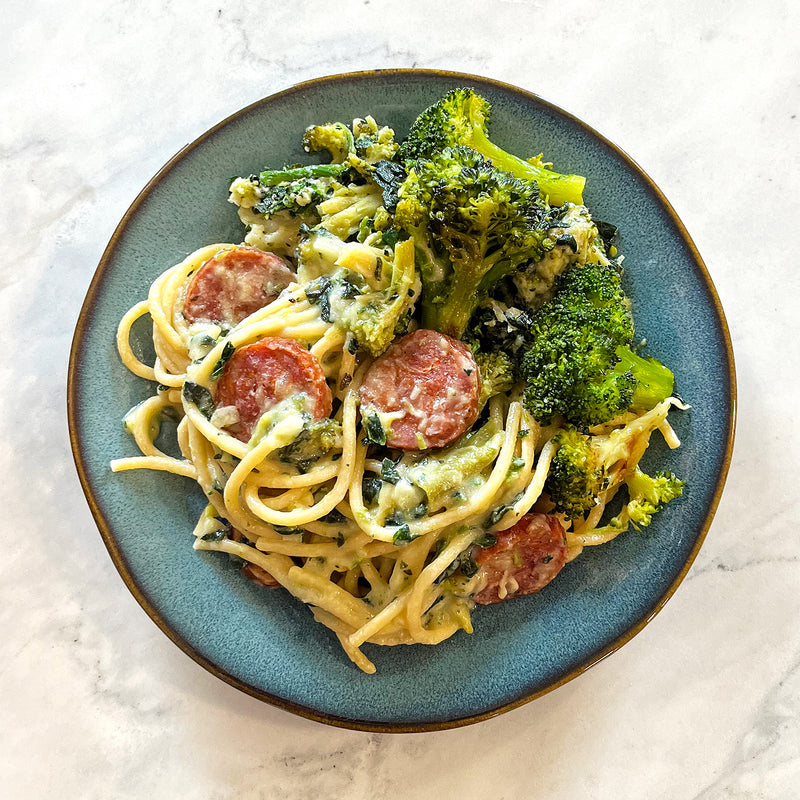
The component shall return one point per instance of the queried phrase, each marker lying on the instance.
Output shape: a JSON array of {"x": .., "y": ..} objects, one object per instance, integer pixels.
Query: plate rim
[{"x": 105, "y": 528}]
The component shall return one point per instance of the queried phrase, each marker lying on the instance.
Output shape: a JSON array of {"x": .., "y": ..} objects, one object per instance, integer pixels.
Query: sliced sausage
[
  {"x": 525, "y": 559},
  {"x": 259, "y": 375},
  {"x": 233, "y": 284},
  {"x": 259, "y": 576},
  {"x": 254, "y": 572},
  {"x": 426, "y": 385}
]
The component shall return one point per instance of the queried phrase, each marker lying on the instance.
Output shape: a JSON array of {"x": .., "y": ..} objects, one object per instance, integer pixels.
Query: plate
[{"x": 265, "y": 643}]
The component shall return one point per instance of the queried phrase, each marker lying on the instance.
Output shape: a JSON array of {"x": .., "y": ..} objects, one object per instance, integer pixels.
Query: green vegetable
[
  {"x": 497, "y": 374},
  {"x": 370, "y": 488},
  {"x": 200, "y": 397},
  {"x": 374, "y": 429},
  {"x": 335, "y": 137},
  {"x": 376, "y": 317},
  {"x": 499, "y": 513},
  {"x": 334, "y": 517},
  {"x": 225, "y": 356},
  {"x": 365, "y": 146},
  {"x": 214, "y": 536},
  {"x": 648, "y": 495},
  {"x": 373, "y": 143},
  {"x": 580, "y": 470},
  {"x": 403, "y": 535},
  {"x": 389, "y": 175},
  {"x": 316, "y": 439},
  {"x": 283, "y": 530},
  {"x": 579, "y": 364},
  {"x": 471, "y": 224},
  {"x": 373, "y": 315},
  {"x": 389, "y": 471},
  {"x": 577, "y": 473},
  {"x": 439, "y": 473},
  {"x": 497, "y": 327},
  {"x": 461, "y": 118},
  {"x": 297, "y": 197},
  {"x": 273, "y": 177}
]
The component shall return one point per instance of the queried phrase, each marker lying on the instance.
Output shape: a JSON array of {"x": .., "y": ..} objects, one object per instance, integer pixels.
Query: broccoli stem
[
  {"x": 272, "y": 177},
  {"x": 452, "y": 316},
  {"x": 558, "y": 188},
  {"x": 654, "y": 382}
]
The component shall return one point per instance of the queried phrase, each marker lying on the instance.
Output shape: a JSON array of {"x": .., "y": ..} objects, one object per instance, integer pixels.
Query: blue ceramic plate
[{"x": 266, "y": 643}]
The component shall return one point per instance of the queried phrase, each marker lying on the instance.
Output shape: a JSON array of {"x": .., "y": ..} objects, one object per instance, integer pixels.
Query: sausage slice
[
  {"x": 259, "y": 375},
  {"x": 233, "y": 284},
  {"x": 426, "y": 385},
  {"x": 525, "y": 559}
]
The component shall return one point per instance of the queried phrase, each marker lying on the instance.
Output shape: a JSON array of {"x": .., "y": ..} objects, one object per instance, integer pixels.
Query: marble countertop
[{"x": 96, "y": 702}]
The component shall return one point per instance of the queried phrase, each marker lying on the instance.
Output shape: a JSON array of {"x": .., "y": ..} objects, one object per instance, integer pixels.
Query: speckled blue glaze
[{"x": 265, "y": 642}]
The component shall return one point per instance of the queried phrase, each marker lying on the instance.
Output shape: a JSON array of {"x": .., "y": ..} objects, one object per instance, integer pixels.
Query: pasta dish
[{"x": 413, "y": 387}]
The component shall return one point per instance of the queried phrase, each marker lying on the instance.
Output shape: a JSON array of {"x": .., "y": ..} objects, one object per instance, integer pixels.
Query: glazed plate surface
[{"x": 265, "y": 642}]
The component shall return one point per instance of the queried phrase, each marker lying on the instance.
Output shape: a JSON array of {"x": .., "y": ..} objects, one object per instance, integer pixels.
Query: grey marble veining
[{"x": 96, "y": 702}]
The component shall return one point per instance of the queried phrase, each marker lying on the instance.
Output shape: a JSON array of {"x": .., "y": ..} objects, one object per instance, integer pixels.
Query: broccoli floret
[
  {"x": 335, "y": 137},
  {"x": 653, "y": 382},
  {"x": 438, "y": 473},
  {"x": 296, "y": 187},
  {"x": 647, "y": 495},
  {"x": 461, "y": 117},
  {"x": 299, "y": 197},
  {"x": 274, "y": 213},
  {"x": 579, "y": 364},
  {"x": 577, "y": 474},
  {"x": 471, "y": 225},
  {"x": 496, "y": 371},
  {"x": 362, "y": 150},
  {"x": 373, "y": 143},
  {"x": 376, "y": 317},
  {"x": 585, "y": 466},
  {"x": 576, "y": 240}
]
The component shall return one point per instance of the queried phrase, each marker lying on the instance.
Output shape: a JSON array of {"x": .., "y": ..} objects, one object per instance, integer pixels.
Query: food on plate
[
  {"x": 233, "y": 284},
  {"x": 414, "y": 387},
  {"x": 423, "y": 392}
]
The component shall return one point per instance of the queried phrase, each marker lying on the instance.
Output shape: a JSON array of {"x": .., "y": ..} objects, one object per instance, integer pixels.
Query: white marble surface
[{"x": 95, "y": 702}]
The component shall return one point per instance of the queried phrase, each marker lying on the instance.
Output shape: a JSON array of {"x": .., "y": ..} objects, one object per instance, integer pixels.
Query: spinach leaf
[
  {"x": 375, "y": 431},
  {"x": 227, "y": 352},
  {"x": 200, "y": 396},
  {"x": 389, "y": 471}
]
